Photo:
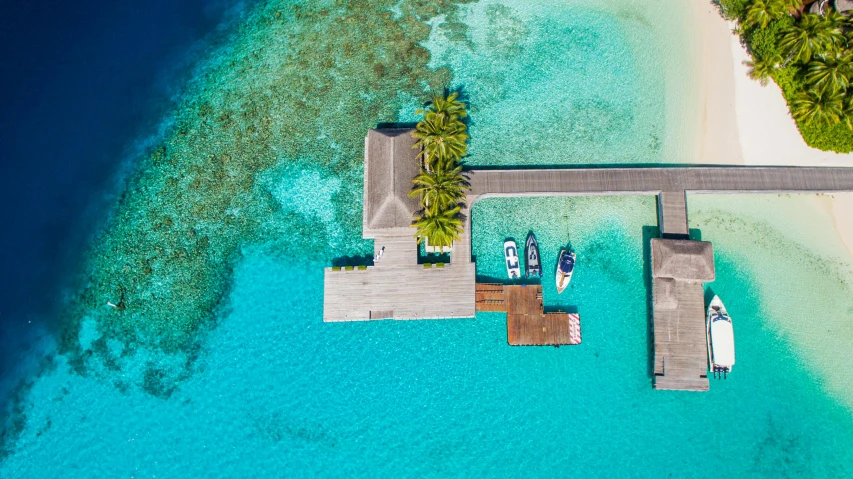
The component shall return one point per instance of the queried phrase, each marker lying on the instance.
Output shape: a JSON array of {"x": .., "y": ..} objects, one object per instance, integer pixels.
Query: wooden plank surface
[
  {"x": 681, "y": 353},
  {"x": 526, "y": 322},
  {"x": 407, "y": 291},
  {"x": 702, "y": 179},
  {"x": 672, "y": 213}
]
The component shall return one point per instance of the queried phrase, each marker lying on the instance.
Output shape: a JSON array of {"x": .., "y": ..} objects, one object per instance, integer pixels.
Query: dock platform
[
  {"x": 527, "y": 324},
  {"x": 679, "y": 270}
]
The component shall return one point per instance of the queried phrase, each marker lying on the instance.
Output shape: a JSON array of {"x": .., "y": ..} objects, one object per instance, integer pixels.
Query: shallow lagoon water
[
  {"x": 276, "y": 390},
  {"x": 267, "y": 389}
]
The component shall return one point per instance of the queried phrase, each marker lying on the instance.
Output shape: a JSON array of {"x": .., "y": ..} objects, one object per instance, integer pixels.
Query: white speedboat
[
  {"x": 565, "y": 269},
  {"x": 513, "y": 267},
  {"x": 721, "y": 339},
  {"x": 531, "y": 254}
]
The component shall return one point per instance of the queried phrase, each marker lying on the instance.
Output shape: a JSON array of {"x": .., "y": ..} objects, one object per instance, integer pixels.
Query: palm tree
[
  {"x": 440, "y": 189},
  {"x": 760, "y": 69},
  {"x": 443, "y": 141},
  {"x": 809, "y": 36},
  {"x": 441, "y": 227},
  {"x": 448, "y": 106},
  {"x": 848, "y": 112},
  {"x": 815, "y": 106},
  {"x": 837, "y": 23},
  {"x": 762, "y": 12},
  {"x": 830, "y": 72}
]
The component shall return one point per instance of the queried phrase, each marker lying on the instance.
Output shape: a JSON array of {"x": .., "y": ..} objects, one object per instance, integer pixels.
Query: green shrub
[
  {"x": 439, "y": 265},
  {"x": 790, "y": 80},
  {"x": 763, "y": 42},
  {"x": 362, "y": 267},
  {"x": 349, "y": 268},
  {"x": 427, "y": 265},
  {"x": 734, "y": 9},
  {"x": 836, "y": 138}
]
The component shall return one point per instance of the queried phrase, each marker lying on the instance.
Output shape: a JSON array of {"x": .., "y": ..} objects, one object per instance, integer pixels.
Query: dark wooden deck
[{"x": 526, "y": 322}]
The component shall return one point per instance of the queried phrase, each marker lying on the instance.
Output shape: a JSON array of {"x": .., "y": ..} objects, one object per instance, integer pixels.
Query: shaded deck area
[{"x": 526, "y": 322}]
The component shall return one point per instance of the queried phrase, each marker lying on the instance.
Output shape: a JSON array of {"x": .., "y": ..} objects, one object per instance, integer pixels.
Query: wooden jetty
[
  {"x": 395, "y": 286},
  {"x": 527, "y": 324},
  {"x": 679, "y": 269},
  {"x": 669, "y": 184}
]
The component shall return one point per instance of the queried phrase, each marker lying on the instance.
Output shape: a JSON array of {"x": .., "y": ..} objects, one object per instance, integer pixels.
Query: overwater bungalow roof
[
  {"x": 684, "y": 260},
  {"x": 390, "y": 165}
]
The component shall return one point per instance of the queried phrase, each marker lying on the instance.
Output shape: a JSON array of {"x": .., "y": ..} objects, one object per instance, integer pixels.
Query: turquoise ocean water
[{"x": 264, "y": 388}]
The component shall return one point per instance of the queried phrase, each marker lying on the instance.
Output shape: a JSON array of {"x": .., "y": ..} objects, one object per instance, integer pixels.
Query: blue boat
[{"x": 565, "y": 269}]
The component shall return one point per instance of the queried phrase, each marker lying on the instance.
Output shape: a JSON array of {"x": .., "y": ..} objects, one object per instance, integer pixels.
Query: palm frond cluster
[
  {"x": 441, "y": 185},
  {"x": 808, "y": 54}
]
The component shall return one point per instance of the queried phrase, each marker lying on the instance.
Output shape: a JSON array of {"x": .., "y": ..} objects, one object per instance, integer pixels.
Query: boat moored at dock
[
  {"x": 721, "y": 340},
  {"x": 565, "y": 269},
  {"x": 513, "y": 267},
  {"x": 531, "y": 254}
]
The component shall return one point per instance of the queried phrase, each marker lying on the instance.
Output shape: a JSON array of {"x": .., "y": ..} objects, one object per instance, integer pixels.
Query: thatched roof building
[
  {"x": 844, "y": 6},
  {"x": 679, "y": 267},
  {"x": 390, "y": 165},
  {"x": 683, "y": 260}
]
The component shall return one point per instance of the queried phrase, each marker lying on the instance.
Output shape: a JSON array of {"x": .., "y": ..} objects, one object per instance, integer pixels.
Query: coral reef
[{"x": 294, "y": 91}]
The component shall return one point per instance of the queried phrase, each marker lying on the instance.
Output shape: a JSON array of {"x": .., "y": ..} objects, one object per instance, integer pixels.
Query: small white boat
[
  {"x": 513, "y": 267},
  {"x": 721, "y": 339},
  {"x": 565, "y": 269},
  {"x": 531, "y": 254}
]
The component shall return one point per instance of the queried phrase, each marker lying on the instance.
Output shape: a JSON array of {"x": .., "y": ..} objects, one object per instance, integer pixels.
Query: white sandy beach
[{"x": 745, "y": 123}]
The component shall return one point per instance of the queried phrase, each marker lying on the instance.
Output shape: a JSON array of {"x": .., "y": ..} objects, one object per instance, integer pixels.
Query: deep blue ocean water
[{"x": 83, "y": 86}]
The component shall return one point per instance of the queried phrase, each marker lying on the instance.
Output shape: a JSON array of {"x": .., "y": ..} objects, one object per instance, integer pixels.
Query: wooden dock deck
[
  {"x": 526, "y": 322},
  {"x": 399, "y": 292}
]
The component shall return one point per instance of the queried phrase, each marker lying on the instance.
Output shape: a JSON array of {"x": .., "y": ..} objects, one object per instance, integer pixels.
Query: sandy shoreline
[{"x": 745, "y": 123}]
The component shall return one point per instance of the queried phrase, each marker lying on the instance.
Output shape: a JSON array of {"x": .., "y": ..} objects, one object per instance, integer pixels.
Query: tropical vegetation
[
  {"x": 810, "y": 56},
  {"x": 442, "y": 138}
]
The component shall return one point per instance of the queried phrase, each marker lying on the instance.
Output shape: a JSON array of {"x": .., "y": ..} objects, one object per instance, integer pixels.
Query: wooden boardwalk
[
  {"x": 638, "y": 181},
  {"x": 526, "y": 322},
  {"x": 670, "y": 184}
]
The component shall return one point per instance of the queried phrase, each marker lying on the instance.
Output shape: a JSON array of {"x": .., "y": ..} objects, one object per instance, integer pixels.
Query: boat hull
[
  {"x": 720, "y": 337},
  {"x": 564, "y": 278},
  {"x": 533, "y": 266},
  {"x": 513, "y": 268}
]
